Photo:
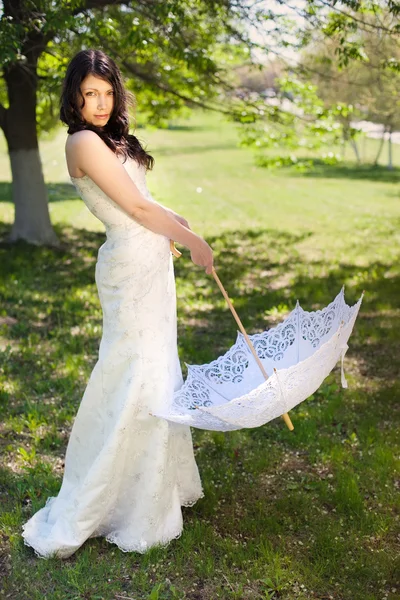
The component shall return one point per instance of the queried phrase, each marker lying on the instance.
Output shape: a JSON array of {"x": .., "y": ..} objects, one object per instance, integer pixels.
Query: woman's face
[{"x": 99, "y": 100}]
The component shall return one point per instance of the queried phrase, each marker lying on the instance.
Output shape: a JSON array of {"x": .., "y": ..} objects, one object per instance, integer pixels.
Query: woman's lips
[{"x": 101, "y": 116}]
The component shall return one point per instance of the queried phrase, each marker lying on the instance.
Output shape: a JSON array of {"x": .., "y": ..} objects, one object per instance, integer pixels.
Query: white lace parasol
[{"x": 241, "y": 389}]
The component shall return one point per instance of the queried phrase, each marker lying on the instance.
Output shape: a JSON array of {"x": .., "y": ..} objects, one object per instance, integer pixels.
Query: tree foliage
[
  {"x": 368, "y": 88},
  {"x": 348, "y": 69},
  {"x": 176, "y": 54}
]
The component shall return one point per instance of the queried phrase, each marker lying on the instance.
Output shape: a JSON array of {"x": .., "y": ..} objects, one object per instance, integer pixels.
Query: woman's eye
[{"x": 90, "y": 93}]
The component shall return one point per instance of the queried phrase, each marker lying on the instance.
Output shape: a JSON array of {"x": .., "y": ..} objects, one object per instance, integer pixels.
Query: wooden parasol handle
[{"x": 176, "y": 252}]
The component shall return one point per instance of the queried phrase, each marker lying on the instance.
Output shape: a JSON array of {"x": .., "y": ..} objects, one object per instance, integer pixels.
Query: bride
[{"x": 127, "y": 473}]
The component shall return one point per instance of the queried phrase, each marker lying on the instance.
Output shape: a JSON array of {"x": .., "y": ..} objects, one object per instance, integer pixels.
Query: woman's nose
[{"x": 101, "y": 102}]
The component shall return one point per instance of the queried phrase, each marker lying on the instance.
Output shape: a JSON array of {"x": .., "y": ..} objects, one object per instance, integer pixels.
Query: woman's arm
[
  {"x": 175, "y": 215},
  {"x": 99, "y": 162}
]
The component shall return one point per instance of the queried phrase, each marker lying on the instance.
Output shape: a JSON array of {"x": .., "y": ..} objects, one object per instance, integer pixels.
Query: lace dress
[{"x": 127, "y": 473}]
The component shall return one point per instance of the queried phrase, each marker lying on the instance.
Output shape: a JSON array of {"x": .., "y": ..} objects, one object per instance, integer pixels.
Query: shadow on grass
[
  {"x": 57, "y": 192},
  {"x": 46, "y": 293},
  {"x": 347, "y": 171},
  {"x": 51, "y": 318}
]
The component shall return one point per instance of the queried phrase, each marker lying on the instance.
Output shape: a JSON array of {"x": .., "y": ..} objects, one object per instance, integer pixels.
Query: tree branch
[
  {"x": 361, "y": 21},
  {"x": 90, "y": 4},
  {"x": 145, "y": 75}
]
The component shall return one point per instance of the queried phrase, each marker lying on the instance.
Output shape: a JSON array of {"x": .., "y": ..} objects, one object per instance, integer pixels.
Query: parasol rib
[{"x": 285, "y": 416}]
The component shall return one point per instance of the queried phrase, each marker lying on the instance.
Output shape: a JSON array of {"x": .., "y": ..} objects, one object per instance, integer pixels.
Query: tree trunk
[
  {"x": 32, "y": 219},
  {"x": 343, "y": 145},
  {"x": 355, "y": 148},
  {"x": 390, "y": 163},
  {"x": 363, "y": 148},
  {"x": 380, "y": 148}
]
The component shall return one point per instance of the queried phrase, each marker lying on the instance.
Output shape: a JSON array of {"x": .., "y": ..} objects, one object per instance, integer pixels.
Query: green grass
[{"x": 306, "y": 514}]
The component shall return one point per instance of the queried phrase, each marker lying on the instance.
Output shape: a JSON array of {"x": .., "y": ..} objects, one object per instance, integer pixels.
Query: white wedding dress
[{"x": 127, "y": 473}]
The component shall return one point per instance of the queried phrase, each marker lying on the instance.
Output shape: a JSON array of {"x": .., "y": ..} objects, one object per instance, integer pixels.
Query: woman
[{"x": 127, "y": 473}]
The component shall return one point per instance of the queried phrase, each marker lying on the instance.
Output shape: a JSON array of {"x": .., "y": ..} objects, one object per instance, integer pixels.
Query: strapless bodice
[{"x": 103, "y": 207}]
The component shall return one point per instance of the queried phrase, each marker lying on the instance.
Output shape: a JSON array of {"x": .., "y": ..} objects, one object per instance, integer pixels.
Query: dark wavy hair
[{"x": 115, "y": 133}]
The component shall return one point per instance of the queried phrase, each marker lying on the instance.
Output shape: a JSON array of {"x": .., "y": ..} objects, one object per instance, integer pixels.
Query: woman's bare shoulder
[
  {"x": 83, "y": 137},
  {"x": 78, "y": 142}
]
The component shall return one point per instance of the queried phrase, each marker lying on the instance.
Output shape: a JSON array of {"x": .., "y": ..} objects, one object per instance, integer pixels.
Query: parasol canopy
[{"x": 264, "y": 375}]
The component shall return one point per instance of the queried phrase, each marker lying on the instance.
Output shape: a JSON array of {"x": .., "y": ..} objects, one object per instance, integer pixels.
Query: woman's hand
[{"x": 201, "y": 254}]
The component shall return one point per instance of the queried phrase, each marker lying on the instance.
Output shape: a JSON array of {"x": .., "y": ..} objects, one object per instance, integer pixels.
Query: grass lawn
[{"x": 308, "y": 514}]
